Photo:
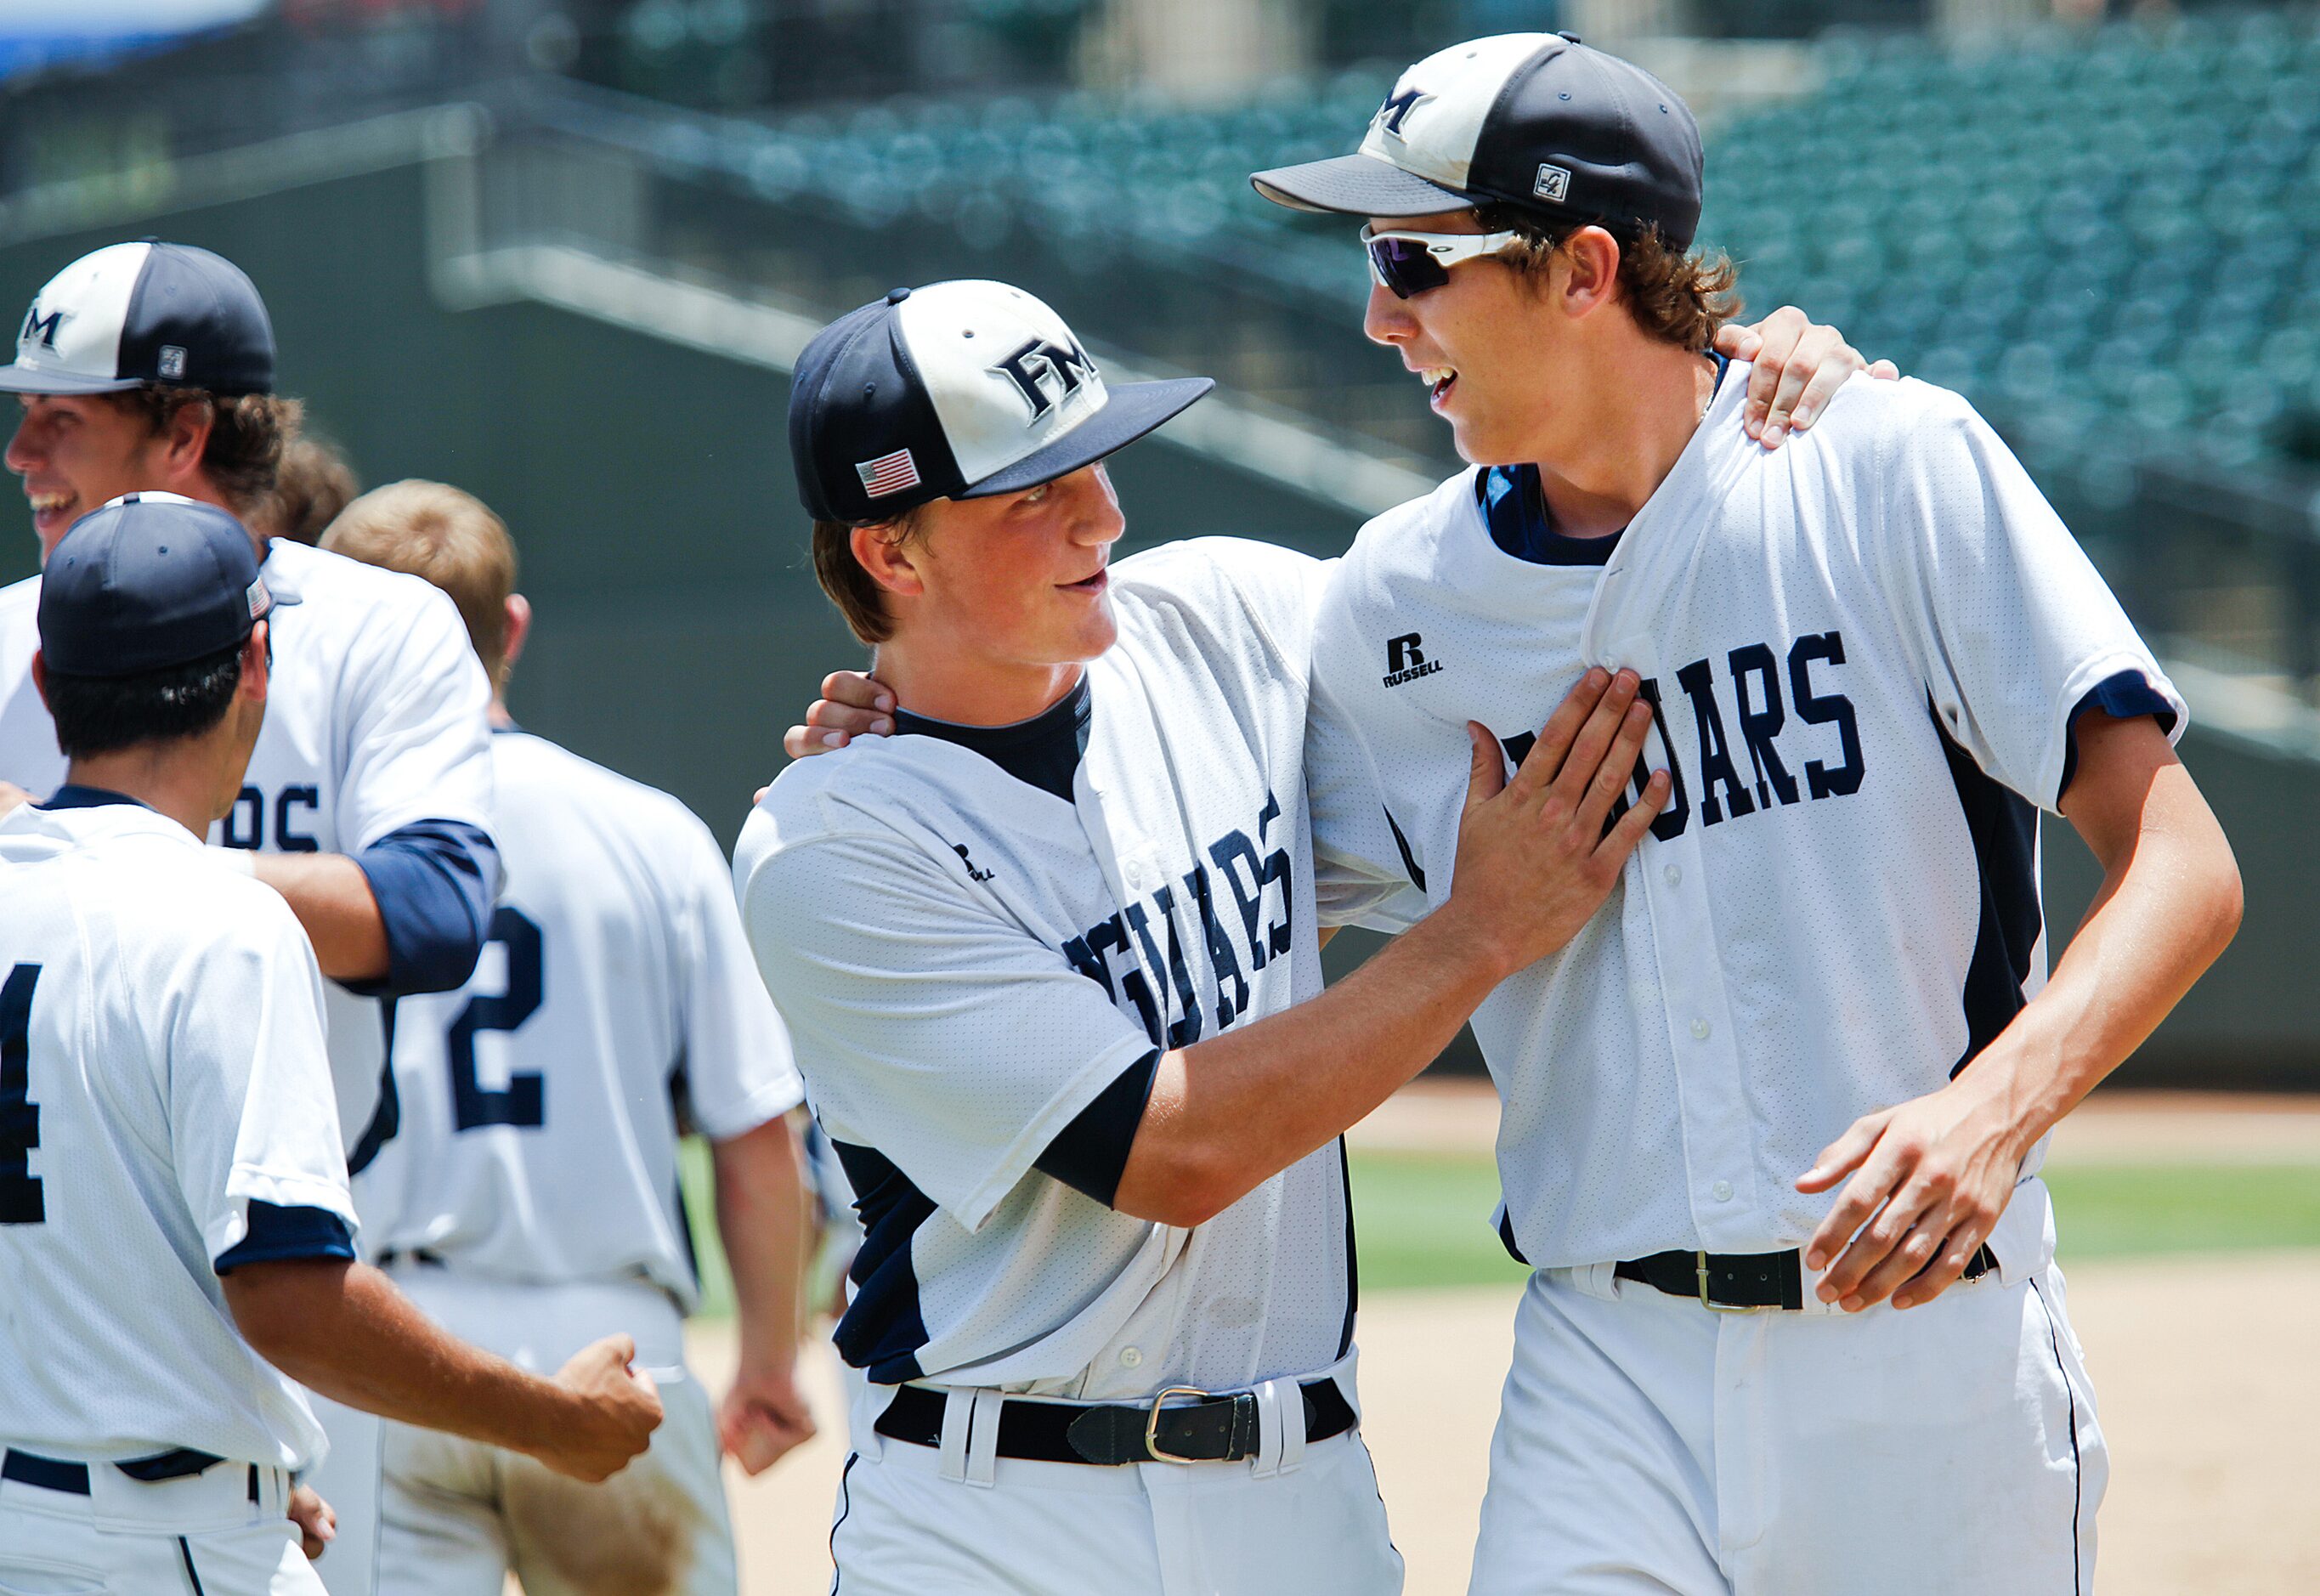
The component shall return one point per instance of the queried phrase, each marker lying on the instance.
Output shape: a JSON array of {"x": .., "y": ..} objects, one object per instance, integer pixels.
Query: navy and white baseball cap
[
  {"x": 144, "y": 313},
  {"x": 149, "y": 581},
  {"x": 1536, "y": 121},
  {"x": 958, "y": 390}
]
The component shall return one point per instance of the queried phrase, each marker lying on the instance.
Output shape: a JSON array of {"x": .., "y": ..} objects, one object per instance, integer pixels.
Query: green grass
[{"x": 1423, "y": 1219}]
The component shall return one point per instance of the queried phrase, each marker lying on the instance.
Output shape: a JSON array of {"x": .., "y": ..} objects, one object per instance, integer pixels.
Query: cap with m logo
[{"x": 144, "y": 313}]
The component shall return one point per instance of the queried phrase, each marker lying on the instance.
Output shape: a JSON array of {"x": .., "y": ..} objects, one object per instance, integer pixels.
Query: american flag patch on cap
[{"x": 888, "y": 473}]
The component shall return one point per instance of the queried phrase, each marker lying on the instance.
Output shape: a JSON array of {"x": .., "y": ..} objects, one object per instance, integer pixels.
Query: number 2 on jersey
[
  {"x": 21, "y": 1202},
  {"x": 520, "y": 1102}
]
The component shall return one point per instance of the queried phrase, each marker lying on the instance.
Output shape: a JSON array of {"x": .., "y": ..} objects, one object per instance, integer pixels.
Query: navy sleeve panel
[
  {"x": 2122, "y": 695},
  {"x": 436, "y": 881},
  {"x": 278, "y": 1233},
  {"x": 1090, "y": 1153}
]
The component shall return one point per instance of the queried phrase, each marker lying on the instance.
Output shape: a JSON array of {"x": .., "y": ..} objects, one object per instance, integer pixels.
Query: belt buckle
[
  {"x": 1711, "y": 1304},
  {"x": 1152, "y": 1422}
]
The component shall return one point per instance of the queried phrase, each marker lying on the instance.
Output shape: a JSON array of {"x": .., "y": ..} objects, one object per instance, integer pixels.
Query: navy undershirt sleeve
[
  {"x": 1090, "y": 1152},
  {"x": 2122, "y": 695},
  {"x": 278, "y": 1233},
  {"x": 436, "y": 881}
]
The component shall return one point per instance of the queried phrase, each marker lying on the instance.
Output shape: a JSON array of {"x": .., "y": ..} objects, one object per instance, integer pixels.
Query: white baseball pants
[
  {"x": 169, "y": 1539},
  {"x": 1647, "y": 1443},
  {"x": 1307, "y": 1520},
  {"x": 458, "y": 1517}
]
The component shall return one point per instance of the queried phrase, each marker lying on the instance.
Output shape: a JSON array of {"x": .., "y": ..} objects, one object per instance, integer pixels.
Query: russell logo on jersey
[{"x": 1777, "y": 704}]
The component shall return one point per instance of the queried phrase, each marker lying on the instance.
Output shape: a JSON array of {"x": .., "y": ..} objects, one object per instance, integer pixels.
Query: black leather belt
[
  {"x": 54, "y": 1473},
  {"x": 1740, "y": 1281},
  {"x": 1212, "y": 1429}
]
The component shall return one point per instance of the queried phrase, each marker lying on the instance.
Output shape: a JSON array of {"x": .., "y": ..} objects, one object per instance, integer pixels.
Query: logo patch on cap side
[
  {"x": 260, "y": 601},
  {"x": 1553, "y": 182},
  {"x": 172, "y": 363},
  {"x": 888, "y": 473}
]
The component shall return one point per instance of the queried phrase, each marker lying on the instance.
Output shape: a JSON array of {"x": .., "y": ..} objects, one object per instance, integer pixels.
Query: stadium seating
[{"x": 2111, "y": 239}]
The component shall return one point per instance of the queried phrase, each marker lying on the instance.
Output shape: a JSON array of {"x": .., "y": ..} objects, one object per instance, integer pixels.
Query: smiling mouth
[
  {"x": 1438, "y": 381},
  {"x": 47, "y": 504}
]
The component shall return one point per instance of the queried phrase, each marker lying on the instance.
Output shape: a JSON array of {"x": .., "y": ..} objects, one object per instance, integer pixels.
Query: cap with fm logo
[
  {"x": 958, "y": 390},
  {"x": 148, "y": 312},
  {"x": 149, "y": 581},
  {"x": 1536, "y": 121}
]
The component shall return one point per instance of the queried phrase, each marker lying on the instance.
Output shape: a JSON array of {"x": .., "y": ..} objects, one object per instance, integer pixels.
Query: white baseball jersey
[
  {"x": 976, "y": 972},
  {"x": 539, "y": 1135},
  {"x": 375, "y": 719},
  {"x": 1866, "y": 651},
  {"x": 161, "y": 1071}
]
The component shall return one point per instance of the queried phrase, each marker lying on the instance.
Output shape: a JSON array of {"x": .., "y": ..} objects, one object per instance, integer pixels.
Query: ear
[
  {"x": 882, "y": 551},
  {"x": 254, "y": 660},
  {"x": 184, "y": 437},
  {"x": 40, "y": 679},
  {"x": 519, "y": 628},
  {"x": 1592, "y": 276}
]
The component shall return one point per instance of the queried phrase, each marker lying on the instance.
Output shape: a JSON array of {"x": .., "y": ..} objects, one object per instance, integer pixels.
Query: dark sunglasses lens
[{"x": 1405, "y": 267}]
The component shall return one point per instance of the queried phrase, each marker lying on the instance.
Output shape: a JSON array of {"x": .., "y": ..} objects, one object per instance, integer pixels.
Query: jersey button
[
  {"x": 1699, "y": 1029},
  {"x": 1674, "y": 875},
  {"x": 1130, "y": 1357},
  {"x": 1721, "y": 1191}
]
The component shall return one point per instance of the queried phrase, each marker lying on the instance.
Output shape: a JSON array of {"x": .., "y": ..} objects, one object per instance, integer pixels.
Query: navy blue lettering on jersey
[
  {"x": 1124, "y": 952},
  {"x": 21, "y": 1200},
  {"x": 1783, "y": 716},
  {"x": 522, "y": 1102}
]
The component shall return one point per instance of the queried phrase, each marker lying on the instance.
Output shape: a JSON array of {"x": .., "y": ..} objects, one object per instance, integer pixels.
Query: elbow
[
  {"x": 2228, "y": 901},
  {"x": 1181, "y": 1192}
]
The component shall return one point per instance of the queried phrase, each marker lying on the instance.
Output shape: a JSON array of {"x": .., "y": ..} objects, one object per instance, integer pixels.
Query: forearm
[
  {"x": 762, "y": 1218},
  {"x": 1227, "y": 1113},
  {"x": 333, "y": 900},
  {"x": 2169, "y": 905},
  {"x": 344, "y": 1330}
]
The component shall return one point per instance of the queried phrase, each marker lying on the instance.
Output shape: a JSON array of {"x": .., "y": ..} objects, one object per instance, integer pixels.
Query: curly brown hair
[
  {"x": 1677, "y": 296},
  {"x": 247, "y": 435}
]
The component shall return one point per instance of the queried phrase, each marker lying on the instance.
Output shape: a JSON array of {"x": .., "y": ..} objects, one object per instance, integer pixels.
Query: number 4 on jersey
[
  {"x": 21, "y": 1202},
  {"x": 522, "y": 1101}
]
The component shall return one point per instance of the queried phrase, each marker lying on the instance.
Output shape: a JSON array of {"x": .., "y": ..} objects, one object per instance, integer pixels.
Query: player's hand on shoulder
[
  {"x": 618, "y": 1410},
  {"x": 762, "y": 1418},
  {"x": 317, "y": 1521},
  {"x": 851, "y": 705},
  {"x": 11, "y": 795},
  {"x": 1797, "y": 366},
  {"x": 1539, "y": 853},
  {"x": 1930, "y": 1178}
]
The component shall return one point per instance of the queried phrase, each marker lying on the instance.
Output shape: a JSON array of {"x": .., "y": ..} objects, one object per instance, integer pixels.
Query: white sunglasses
[{"x": 1412, "y": 262}]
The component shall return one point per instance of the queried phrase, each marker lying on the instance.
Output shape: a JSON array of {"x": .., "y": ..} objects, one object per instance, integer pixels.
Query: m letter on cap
[
  {"x": 40, "y": 331},
  {"x": 888, "y": 473},
  {"x": 1397, "y": 107},
  {"x": 1040, "y": 362},
  {"x": 1553, "y": 182}
]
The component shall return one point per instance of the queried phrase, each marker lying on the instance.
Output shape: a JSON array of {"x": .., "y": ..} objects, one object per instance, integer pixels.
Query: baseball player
[
  {"x": 1035, "y": 954},
  {"x": 530, "y": 1202},
  {"x": 150, "y": 366},
  {"x": 1873, "y": 658},
  {"x": 175, "y": 1230}
]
